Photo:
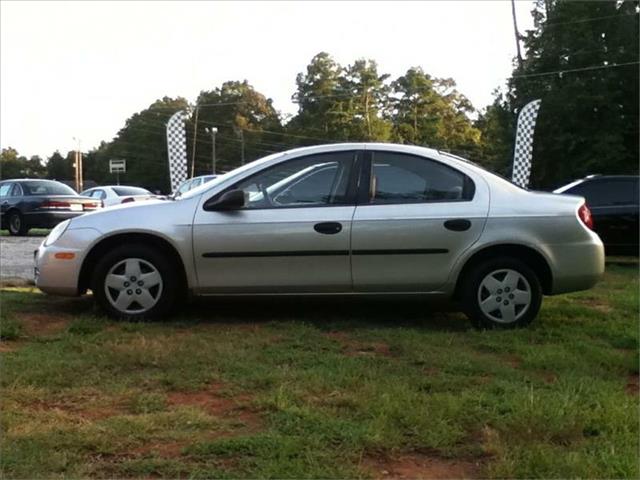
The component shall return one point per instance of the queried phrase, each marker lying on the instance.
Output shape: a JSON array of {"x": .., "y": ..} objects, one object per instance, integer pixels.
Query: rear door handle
[
  {"x": 457, "y": 224},
  {"x": 328, "y": 228}
]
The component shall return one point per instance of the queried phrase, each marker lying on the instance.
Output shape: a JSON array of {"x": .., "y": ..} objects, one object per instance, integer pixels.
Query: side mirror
[{"x": 231, "y": 200}]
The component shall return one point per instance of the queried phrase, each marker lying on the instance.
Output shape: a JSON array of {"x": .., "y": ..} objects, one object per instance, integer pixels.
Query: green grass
[{"x": 292, "y": 389}]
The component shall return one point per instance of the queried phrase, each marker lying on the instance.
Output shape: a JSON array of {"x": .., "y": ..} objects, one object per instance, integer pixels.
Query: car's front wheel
[
  {"x": 501, "y": 293},
  {"x": 135, "y": 282}
]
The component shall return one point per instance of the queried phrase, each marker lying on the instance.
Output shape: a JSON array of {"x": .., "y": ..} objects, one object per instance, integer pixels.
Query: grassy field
[{"x": 339, "y": 389}]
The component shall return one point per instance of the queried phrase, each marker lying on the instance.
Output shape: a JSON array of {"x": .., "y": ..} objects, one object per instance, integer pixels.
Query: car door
[
  {"x": 414, "y": 218},
  {"x": 292, "y": 235}
]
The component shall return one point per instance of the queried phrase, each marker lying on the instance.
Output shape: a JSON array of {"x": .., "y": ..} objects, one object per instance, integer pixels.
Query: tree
[
  {"x": 575, "y": 62},
  {"x": 13, "y": 165},
  {"x": 59, "y": 167},
  {"x": 240, "y": 113},
  {"x": 430, "y": 111}
]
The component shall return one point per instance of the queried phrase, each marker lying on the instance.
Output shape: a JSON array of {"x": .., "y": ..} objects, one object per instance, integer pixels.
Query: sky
[{"x": 78, "y": 70}]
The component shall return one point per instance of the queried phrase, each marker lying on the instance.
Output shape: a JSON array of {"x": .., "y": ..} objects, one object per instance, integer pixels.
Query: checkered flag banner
[
  {"x": 177, "y": 149},
  {"x": 524, "y": 143}
]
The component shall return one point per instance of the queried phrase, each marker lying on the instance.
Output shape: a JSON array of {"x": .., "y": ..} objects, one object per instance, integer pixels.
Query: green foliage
[
  {"x": 14, "y": 166},
  {"x": 588, "y": 121}
]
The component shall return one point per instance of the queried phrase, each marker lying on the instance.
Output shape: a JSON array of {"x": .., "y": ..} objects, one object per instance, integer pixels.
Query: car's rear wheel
[
  {"x": 501, "y": 293},
  {"x": 16, "y": 224},
  {"x": 135, "y": 282}
]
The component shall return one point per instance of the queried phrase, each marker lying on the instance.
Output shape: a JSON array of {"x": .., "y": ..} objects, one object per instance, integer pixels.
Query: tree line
[{"x": 581, "y": 59}]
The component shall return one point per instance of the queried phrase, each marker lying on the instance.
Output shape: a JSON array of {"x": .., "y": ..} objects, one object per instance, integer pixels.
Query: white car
[{"x": 117, "y": 194}]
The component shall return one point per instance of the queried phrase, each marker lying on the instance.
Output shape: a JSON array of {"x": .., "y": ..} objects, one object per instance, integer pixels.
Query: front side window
[
  {"x": 17, "y": 190},
  {"x": 316, "y": 180},
  {"x": 4, "y": 189},
  {"x": 399, "y": 178}
]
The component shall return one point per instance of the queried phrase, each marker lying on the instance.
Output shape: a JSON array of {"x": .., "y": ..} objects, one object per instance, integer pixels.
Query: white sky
[{"x": 80, "y": 69}]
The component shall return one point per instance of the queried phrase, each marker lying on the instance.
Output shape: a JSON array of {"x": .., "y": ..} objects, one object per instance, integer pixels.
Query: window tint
[
  {"x": 47, "y": 188},
  {"x": 315, "y": 180},
  {"x": 398, "y": 178},
  {"x": 124, "y": 191},
  {"x": 4, "y": 189},
  {"x": 602, "y": 193}
]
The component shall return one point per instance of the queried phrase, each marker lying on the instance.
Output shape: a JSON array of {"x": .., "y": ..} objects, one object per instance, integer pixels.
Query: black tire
[
  {"x": 471, "y": 293},
  {"x": 16, "y": 224},
  {"x": 165, "y": 297}
]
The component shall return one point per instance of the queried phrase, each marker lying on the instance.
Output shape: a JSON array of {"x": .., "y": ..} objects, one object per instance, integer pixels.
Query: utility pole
[
  {"x": 517, "y": 34},
  {"x": 241, "y": 133},
  {"x": 195, "y": 136},
  {"x": 78, "y": 165},
  {"x": 213, "y": 131}
]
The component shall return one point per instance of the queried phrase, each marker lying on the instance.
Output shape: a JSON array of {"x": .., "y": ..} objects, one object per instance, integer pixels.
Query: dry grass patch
[{"x": 419, "y": 466}]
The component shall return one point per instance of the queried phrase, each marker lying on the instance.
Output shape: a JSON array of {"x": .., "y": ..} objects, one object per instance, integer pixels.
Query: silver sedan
[{"x": 346, "y": 219}]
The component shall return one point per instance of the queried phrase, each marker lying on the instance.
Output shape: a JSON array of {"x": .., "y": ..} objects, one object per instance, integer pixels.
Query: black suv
[{"x": 613, "y": 201}]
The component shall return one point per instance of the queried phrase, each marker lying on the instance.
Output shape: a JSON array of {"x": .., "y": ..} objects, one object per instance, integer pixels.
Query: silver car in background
[{"x": 345, "y": 219}]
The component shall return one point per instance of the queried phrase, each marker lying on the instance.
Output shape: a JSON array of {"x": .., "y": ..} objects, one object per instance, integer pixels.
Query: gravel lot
[{"x": 16, "y": 258}]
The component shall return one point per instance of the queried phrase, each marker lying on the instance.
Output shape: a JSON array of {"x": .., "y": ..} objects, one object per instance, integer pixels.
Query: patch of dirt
[
  {"x": 43, "y": 323},
  {"x": 420, "y": 466},
  {"x": 549, "y": 377},
  {"x": 512, "y": 360},
  {"x": 633, "y": 385},
  {"x": 354, "y": 348},
  {"x": 213, "y": 402},
  {"x": 6, "y": 347}
]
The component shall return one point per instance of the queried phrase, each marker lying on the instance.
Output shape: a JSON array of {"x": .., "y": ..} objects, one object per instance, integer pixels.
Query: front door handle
[
  {"x": 457, "y": 224},
  {"x": 328, "y": 228}
]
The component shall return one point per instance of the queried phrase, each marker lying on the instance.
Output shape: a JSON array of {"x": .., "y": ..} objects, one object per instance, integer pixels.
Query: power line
[
  {"x": 586, "y": 20},
  {"x": 571, "y": 70}
]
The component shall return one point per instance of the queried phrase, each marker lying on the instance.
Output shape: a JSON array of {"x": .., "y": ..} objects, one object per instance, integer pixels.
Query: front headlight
[{"x": 56, "y": 233}]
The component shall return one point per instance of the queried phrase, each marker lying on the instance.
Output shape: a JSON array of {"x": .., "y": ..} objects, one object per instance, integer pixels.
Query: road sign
[{"x": 117, "y": 166}]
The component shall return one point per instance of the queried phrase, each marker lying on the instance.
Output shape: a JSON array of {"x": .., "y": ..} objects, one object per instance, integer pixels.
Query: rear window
[
  {"x": 47, "y": 188},
  {"x": 607, "y": 192},
  {"x": 124, "y": 191}
]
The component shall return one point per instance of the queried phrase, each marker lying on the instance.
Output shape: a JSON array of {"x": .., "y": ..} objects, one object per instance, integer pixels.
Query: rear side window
[
  {"x": 399, "y": 178},
  {"x": 607, "y": 193},
  {"x": 4, "y": 189}
]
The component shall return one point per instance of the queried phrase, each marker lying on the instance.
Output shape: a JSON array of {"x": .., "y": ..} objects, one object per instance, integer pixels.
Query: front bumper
[{"x": 60, "y": 276}]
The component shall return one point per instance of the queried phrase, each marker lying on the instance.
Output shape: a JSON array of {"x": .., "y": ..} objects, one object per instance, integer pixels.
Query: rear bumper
[
  {"x": 48, "y": 219},
  {"x": 577, "y": 266}
]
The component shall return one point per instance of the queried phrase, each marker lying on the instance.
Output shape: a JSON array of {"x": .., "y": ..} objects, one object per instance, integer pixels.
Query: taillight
[
  {"x": 585, "y": 215},
  {"x": 91, "y": 206},
  {"x": 54, "y": 205},
  {"x": 128, "y": 199}
]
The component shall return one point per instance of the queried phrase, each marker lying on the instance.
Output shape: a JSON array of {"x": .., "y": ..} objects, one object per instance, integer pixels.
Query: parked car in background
[
  {"x": 31, "y": 203},
  {"x": 613, "y": 201},
  {"x": 345, "y": 219},
  {"x": 117, "y": 194},
  {"x": 192, "y": 183}
]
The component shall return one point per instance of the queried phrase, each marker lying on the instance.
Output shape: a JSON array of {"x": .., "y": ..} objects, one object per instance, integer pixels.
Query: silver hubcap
[
  {"x": 133, "y": 285},
  {"x": 504, "y": 295}
]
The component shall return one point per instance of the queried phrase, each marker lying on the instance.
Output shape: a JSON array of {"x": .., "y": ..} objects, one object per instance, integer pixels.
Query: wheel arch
[
  {"x": 533, "y": 258},
  {"x": 146, "y": 239}
]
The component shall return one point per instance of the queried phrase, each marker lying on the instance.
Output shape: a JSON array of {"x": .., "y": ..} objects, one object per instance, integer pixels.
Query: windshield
[
  {"x": 43, "y": 187},
  {"x": 229, "y": 175},
  {"x": 123, "y": 191}
]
